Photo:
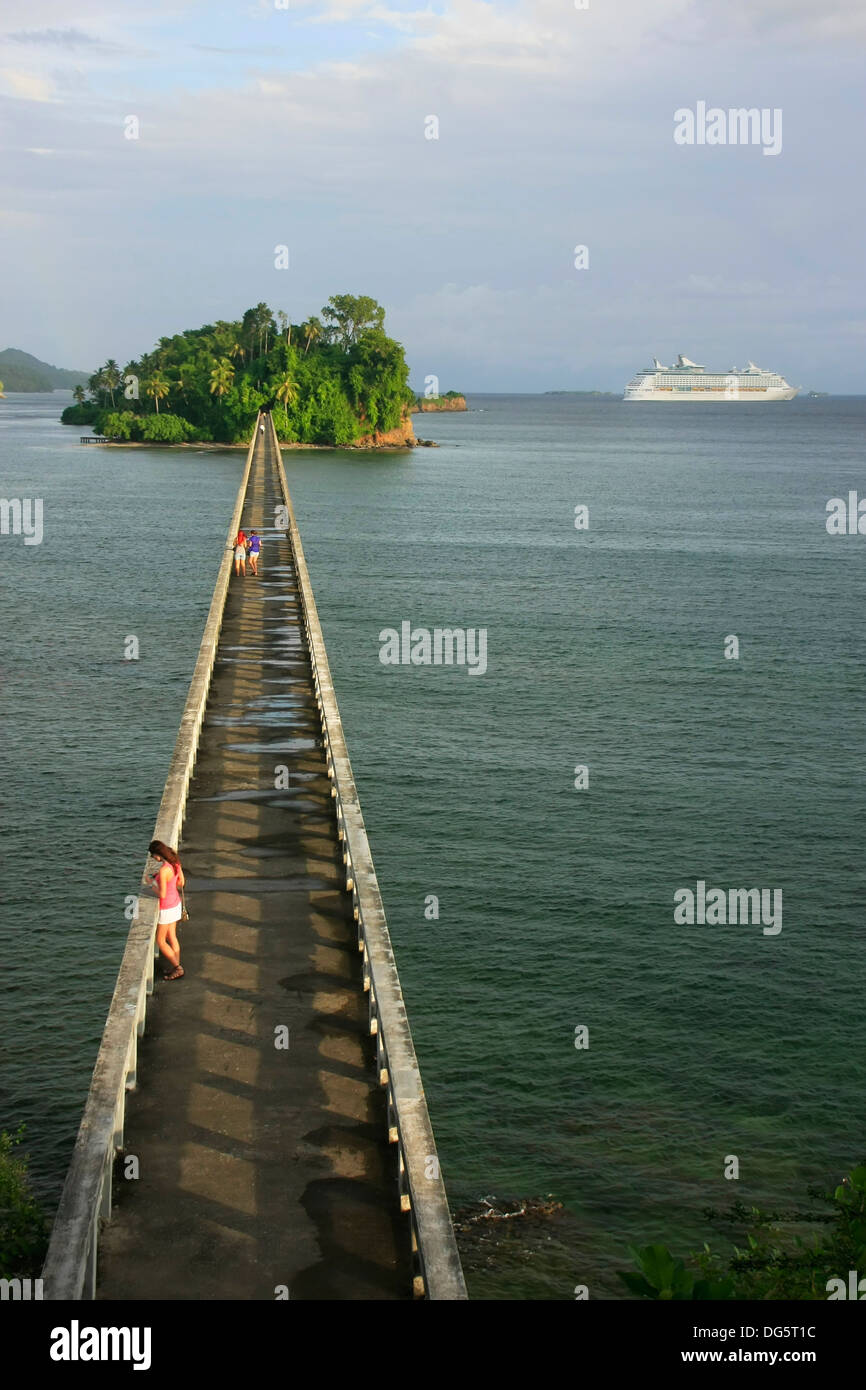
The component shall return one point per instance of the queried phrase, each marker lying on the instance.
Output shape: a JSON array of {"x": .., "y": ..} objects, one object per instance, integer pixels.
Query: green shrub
[
  {"x": 777, "y": 1261},
  {"x": 121, "y": 424},
  {"x": 166, "y": 429},
  {"x": 80, "y": 414},
  {"x": 23, "y": 1227}
]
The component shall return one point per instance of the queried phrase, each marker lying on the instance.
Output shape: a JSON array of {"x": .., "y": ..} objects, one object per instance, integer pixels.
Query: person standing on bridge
[
  {"x": 241, "y": 554},
  {"x": 255, "y": 546},
  {"x": 168, "y": 881}
]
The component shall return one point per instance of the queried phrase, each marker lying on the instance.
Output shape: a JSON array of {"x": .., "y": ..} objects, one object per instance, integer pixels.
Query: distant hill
[{"x": 20, "y": 371}]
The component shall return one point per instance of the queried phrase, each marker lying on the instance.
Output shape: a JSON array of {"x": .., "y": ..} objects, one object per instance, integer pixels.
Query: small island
[
  {"x": 335, "y": 382},
  {"x": 452, "y": 400}
]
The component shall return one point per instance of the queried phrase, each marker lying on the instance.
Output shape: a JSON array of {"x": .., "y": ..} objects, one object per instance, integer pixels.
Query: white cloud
[{"x": 26, "y": 86}]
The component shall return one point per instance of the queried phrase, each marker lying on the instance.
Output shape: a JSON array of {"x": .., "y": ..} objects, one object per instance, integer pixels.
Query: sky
[{"x": 307, "y": 124}]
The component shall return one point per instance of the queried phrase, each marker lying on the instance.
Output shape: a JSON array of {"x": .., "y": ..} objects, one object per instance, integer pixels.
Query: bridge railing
[
  {"x": 70, "y": 1266},
  {"x": 421, "y": 1186}
]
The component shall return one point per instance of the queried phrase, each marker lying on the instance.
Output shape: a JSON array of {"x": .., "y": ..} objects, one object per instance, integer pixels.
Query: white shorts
[
  {"x": 170, "y": 914},
  {"x": 240, "y": 553}
]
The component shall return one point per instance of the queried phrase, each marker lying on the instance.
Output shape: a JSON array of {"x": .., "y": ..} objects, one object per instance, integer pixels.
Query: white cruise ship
[{"x": 689, "y": 381}]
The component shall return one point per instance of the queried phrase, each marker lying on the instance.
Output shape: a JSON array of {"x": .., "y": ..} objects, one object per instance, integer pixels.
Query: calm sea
[{"x": 605, "y": 648}]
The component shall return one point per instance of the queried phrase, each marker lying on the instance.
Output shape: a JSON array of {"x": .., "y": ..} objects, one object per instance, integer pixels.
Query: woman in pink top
[{"x": 168, "y": 881}]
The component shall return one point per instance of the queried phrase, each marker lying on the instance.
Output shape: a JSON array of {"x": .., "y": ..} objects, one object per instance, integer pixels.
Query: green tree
[
  {"x": 221, "y": 377},
  {"x": 350, "y": 315},
  {"x": 287, "y": 391},
  {"x": 77, "y": 395},
  {"x": 256, "y": 327},
  {"x": 96, "y": 384},
  {"x": 157, "y": 388},
  {"x": 312, "y": 330},
  {"x": 111, "y": 377}
]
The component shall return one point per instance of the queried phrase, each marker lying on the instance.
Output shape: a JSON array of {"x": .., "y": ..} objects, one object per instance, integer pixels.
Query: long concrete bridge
[{"x": 258, "y": 1129}]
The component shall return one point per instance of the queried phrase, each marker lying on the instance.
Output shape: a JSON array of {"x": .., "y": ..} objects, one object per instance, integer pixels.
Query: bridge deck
[{"x": 259, "y": 1166}]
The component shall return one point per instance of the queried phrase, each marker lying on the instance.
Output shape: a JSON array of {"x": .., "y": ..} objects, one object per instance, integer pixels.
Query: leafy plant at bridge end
[
  {"x": 775, "y": 1255},
  {"x": 23, "y": 1227}
]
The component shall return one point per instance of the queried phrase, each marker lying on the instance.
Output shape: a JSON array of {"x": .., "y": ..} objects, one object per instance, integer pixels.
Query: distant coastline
[{"x": 23, "y": 372}]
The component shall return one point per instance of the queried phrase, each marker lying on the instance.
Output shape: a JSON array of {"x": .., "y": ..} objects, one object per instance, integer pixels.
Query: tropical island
[
  {"x": 338, "y": 380},
  {"x": 452, "y": 400}
]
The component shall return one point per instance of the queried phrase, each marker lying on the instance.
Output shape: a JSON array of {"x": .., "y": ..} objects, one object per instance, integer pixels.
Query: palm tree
[
  {"x": 111, "y": 377},
  {"x": 221, "y": 377},
  {"x": 287, "y": 391},
  {"x": 78, "y": 395},
  {"x": 97, "y": 385},
  {"x": 158, "y": 388},
  {"x": 313, "y": 329}
]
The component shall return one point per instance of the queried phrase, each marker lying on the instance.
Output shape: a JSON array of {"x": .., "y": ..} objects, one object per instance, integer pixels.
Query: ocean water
[{"x": 605, "y": 648}]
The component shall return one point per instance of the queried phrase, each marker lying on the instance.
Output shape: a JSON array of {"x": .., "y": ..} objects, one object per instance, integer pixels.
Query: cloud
[
  {"x": 799, "y": 20},
  {"x": 56, "y": 38},
  {"x": 26, "y": 86},
  {"x": 10, "y": 217}
]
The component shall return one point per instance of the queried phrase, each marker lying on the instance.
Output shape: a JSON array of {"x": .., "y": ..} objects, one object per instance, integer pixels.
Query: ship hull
[{"x": 735, "y": 397}]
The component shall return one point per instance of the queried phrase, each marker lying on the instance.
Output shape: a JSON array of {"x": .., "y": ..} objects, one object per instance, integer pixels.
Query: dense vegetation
[
  {"x": 21, "y": 371},
  {"x": 23, "y": 1228},
  {"x": 775, "y": 1255},
  {"x": 326, "y": 381},
  {"x": 434, "y": 400}
]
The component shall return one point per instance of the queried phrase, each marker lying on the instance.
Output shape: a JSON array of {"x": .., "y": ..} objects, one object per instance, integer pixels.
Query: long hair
[{"x": 164, "y": 851}]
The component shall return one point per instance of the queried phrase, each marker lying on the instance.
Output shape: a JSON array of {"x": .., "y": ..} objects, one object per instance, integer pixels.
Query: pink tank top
[{"x": 172, "y": 896}]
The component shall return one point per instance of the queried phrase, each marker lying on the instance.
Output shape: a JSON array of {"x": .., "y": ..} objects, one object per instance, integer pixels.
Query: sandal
[{"x": 176, "y": 974}]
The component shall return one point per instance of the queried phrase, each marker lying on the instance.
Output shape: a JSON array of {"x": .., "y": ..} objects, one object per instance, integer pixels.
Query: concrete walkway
[{"x": 259, "y": 1166}]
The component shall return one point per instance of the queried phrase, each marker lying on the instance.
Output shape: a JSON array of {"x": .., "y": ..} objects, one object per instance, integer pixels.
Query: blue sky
[{"x": 305, "y": 126}]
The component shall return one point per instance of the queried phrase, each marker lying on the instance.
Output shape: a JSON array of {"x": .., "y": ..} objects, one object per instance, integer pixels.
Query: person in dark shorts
[{"x": 254, "y": 549}]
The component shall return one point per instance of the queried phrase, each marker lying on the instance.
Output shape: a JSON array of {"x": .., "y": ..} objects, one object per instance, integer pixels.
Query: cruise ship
[{"x": 689, "y": 381}]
